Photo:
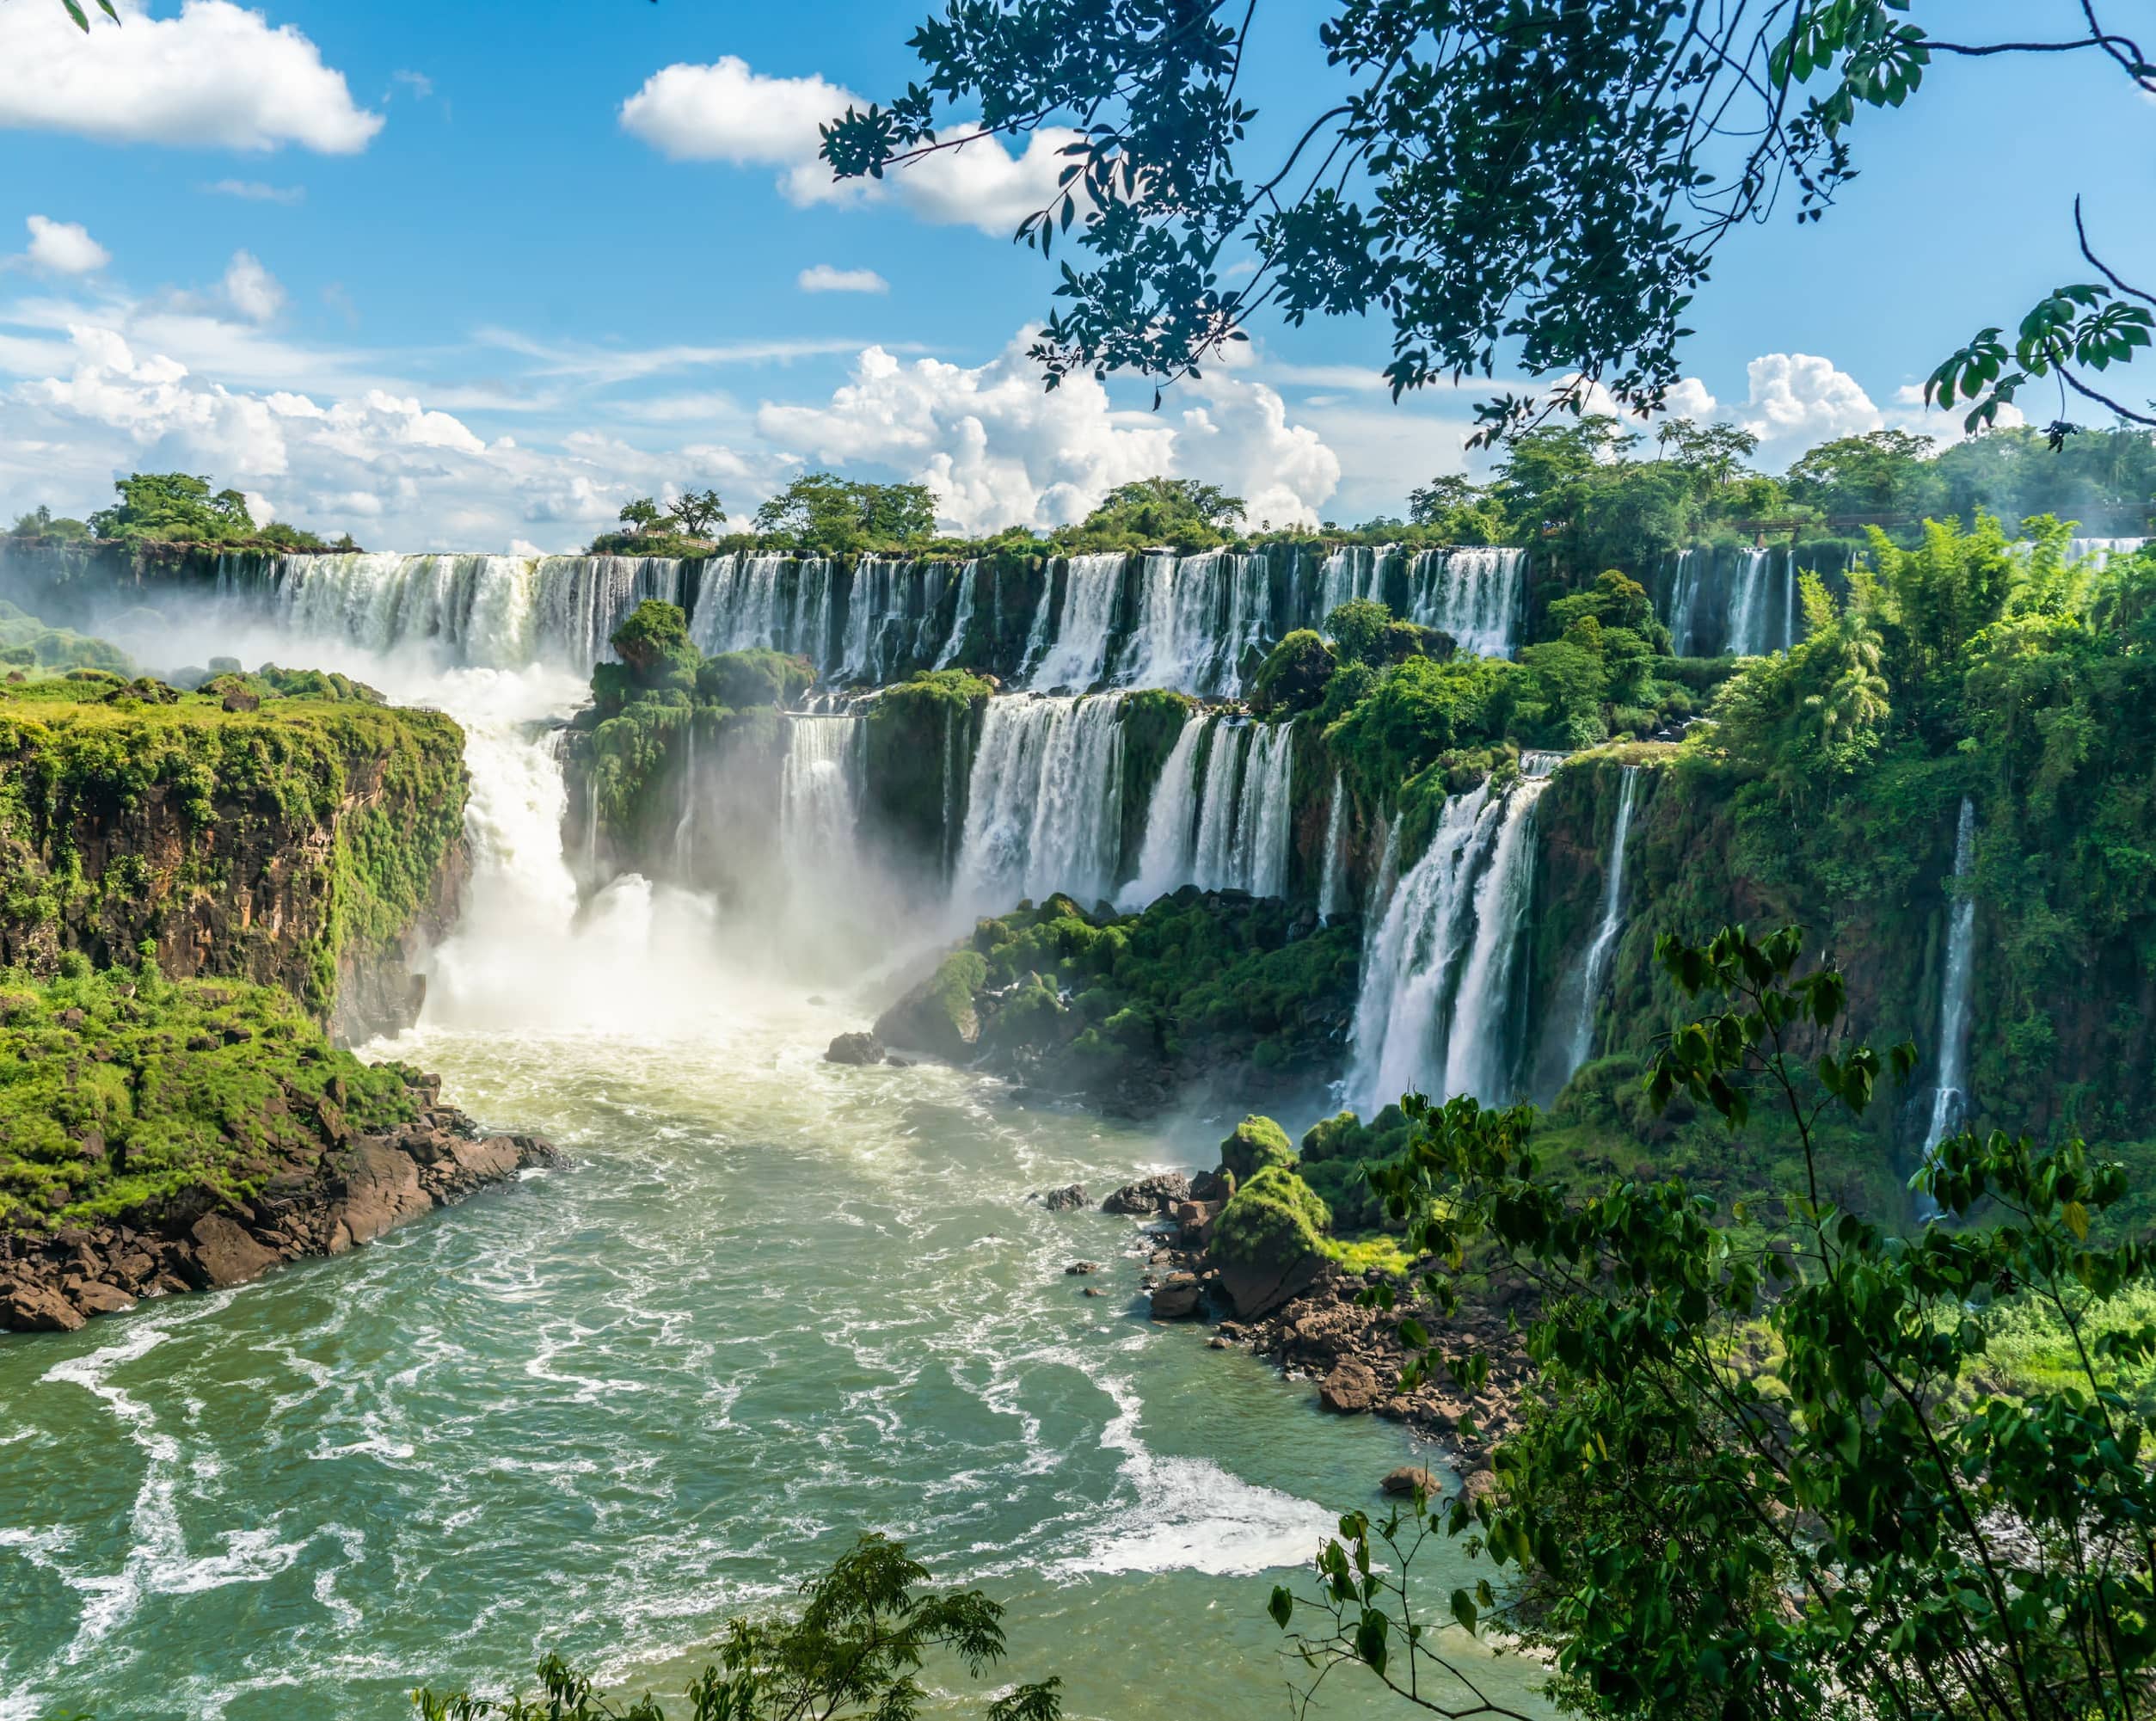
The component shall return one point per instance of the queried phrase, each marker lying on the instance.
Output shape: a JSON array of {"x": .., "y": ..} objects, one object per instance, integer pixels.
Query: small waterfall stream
[
  {"x": 1595, "y": 971},
  {"x": 1950, "y": 1100},
  {"x": 968, "y": 590},
  {"x": 1331, "y": 887},
  {"x": 818, "y": 795},
  {"x": 1166, "y": 859},
  {"x": 1079, "y": 655}
]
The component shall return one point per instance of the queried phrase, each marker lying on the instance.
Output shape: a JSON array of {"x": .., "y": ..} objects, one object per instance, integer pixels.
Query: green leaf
[{"x": 1281, "y": 1607}]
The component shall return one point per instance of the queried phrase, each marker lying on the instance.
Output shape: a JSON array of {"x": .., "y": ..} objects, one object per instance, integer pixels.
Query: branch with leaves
[{"x": 1535, "y": 182}]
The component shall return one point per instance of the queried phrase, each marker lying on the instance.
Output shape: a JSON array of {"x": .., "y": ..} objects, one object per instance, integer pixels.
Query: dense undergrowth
[{"x": 120, "y": 1090}]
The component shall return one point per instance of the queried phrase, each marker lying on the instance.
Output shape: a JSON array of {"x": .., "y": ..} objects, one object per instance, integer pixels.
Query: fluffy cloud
[
  {"x": 64, "y": 248},
  {"x": 825, "y": 279},
  {"x": 728, "y": 112},
  {"x": 216, "y": 76},
  {"x": 251, "y": 290},
  {"x": 999, "y": 449}
]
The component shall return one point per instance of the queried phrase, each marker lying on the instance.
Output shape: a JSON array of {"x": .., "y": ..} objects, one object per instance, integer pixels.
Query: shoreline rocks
[{"x": 352, "y": 1191}]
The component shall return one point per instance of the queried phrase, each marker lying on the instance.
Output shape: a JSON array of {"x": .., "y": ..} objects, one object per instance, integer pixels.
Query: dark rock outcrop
[
  {"x": 1068, "y": 1199},
  {"x": 856, "y": 1049},
  {"x": 1151, "y": 1196},
  {"x": 343, "y": 1192}
]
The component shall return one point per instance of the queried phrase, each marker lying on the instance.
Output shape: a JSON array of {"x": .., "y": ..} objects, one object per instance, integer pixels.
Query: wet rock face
[
  {"x": 856, "y": 1049},
  {"x": 1149, "y": 1196},
  {"x": 1069, "y": 1199},
  {"x": 343, "y": 1193}
]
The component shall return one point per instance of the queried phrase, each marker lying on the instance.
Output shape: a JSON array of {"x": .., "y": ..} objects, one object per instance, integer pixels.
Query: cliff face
[{"x": 312, "y": 844}]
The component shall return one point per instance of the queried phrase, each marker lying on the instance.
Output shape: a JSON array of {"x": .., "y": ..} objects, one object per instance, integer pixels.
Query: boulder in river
[
  {"x": 1175, "y": 1298},
  {"x": 1068, "y": 1199},
  {"x": 1082, "y": 1267},
  {"x": 854, "y": 1049},
  {"x": 1149, "y": 1196},
  {"x": 1351, "y": 1390},
  {"x": 1409, "y": 1478}
]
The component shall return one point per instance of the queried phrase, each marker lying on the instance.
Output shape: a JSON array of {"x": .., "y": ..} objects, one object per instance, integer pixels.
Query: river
[{"x": 774, "y": 1303}]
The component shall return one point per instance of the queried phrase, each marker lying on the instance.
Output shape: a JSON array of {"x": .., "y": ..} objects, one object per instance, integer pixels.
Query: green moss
[
  {"x": 1273, "y": 1220},
  {"x": 358, "y": 803},
  {"x": 1294, "y": 674},
  {"x": 118, "y": 1089},
  {"x": 1257, "y": 1145},
  {"x": 919, "y": 754}
]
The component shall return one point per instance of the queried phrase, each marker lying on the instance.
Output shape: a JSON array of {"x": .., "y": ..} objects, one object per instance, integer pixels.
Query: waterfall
[
  {"x": 1473, "y": 594},
  {"x": 968, "y": 589},
  {"x": 1197, "y": 615},
  {"x": 1950, "y": 1101},
  {"x": 487, "y": 612},
  {"x": 685, "y": 830},
  {"x": 2101, "y": 550},
  {"x": 1242, "y": 813},
  {"x": 1079, "y": 657},
  {"x": 1044, "y": 802},
  {"x": 1594, "y": 973},
  {"x": 1331, "y": 887},
  {"x": 1434, "y": 1011},
  {"x": 1684, "y": 601},
  {"x": 1166, "y": 859},
  {"x": 737, "y": 607},
  {"x": 816, "y": 795},
  {"x": 1388, "y": 878},
  {"x": 1353, "y": 571},
  {"x": 811, "y": 634},
  {"x": 1747, "y": 632}
]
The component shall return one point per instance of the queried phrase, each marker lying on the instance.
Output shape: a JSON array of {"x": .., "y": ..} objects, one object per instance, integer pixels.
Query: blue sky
[{"x": 417, "y": 271}]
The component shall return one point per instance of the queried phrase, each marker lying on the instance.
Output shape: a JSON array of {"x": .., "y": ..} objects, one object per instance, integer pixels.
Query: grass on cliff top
[{"x": 118, "y": 1089}]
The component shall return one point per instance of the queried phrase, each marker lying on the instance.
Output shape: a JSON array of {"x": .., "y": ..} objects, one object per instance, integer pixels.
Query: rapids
[{"x": 773, "y": 1304}]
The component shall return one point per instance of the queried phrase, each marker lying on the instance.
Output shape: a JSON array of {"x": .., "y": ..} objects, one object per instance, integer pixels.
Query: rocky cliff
[{"x": 310, "y": 843}]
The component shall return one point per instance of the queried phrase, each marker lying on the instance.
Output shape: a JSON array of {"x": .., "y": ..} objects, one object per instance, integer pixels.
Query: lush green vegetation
[
  {"x": 1765, "y": 1473},
  {"x": 645, "y": 705},
  {"x": 121, "y": 1090},
  {"x": 86, "y": 760}
]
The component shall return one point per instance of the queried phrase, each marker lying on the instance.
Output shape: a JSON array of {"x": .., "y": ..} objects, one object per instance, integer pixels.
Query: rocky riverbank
[
  {"x": 1265, "y": 1289},
  {"x": 349, "y": 1192}
]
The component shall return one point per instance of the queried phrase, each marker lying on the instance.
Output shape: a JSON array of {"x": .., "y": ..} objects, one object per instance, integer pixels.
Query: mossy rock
[
  {"x": 1258, "y": 1144},
  {"x": 1294, "y": 674},
  {"x": 941, "y": 1016},
  {"x": 1272, "y": 1220}
]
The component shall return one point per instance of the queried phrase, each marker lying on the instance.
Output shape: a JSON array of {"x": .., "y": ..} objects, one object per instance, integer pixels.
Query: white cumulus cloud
[
  {"x": 217, "y": 75},
  {"x": 823, "y": 278},
  {"x": 999, "y": 449},
  {"x": 729, "y": 111},
  {"x": 64, "y": 248},
  {"x": 251, "y": 290}
]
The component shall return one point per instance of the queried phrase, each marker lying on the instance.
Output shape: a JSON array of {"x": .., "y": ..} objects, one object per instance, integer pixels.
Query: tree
[
  {"x": 642, "y": 515},
  {"x": 1759, "y": 1482},
  {"x": 1544, "y": 180},
  {"x": 1357, "y": 629},
  {"x": 1166, "y": 510},
  {"x": 693, "y": 513},
  {"x": 864, "y": 1630},
  {"x": 1714, "y": 454},
  {"x": 174, "y": 505},
  {"x": 41, "y": 522},
  {"x": 822, "y": 511},
  {"x": 1462, "y": 512},
  {"x": 1881, "y": 471}
]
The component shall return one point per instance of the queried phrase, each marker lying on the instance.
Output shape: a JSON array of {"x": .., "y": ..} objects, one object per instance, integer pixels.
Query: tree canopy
[
  {"x": 180, "y": 507},
  {"x": 820, "y": 511},
  {"x": 1537, "y": 183}
]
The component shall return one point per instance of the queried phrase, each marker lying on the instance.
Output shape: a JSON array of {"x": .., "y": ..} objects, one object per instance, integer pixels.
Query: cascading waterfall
[
  {"x": 1595, "y": 971},
  {"x": 1241, "y": 838},
  {"x": 1388, "y": 878},
  {"x": 1079, "y": 656},
  {"x": 1043, "y": 802},
  {"x": 737, "y": 607},
  {"x": 1683, "y": 602},
  {"x": 2101, "y": 550},
  {"x": 1166, "y": 859},
  {"x": 1747, "y": 633},
  {"x": 487, "y": 612},
  {"x": 968, "y": 589},
  {"x": 811, "y": 634},
  {"x": 817, "y": 795},
  {"x": 1435, "y": 1012},
  {"x": 1331, "y": 887},
  {"x": 1949, "y": 1098},
  {"x": 1197, "y": 616},
  {"x": 1355, "y": 570},
  {"x": 1473, "y": 594}
]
